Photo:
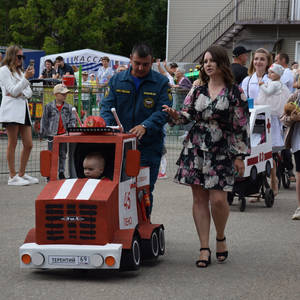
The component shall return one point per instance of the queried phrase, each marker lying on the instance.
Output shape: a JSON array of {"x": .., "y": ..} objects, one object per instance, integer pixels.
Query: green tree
[{"x": 107, "y": 25}]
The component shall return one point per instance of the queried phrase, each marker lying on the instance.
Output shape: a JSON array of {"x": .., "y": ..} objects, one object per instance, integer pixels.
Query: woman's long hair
[
  {"x": 219, "y": 55},
  {"x": 10, "y": 59},
  {"x": 269, "y": 58}
]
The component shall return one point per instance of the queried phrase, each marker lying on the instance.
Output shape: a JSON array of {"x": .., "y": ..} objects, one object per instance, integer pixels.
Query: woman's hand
[
  {"x": 239, "y": 167},
  {"x": 29, "y": 73},
  {"x": 295, "y": 116},
  {"x": 171, "y": 112}
]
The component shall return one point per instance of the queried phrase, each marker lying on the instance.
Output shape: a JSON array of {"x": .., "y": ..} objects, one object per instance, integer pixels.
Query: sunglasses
[{"x": 20, "y": 57}]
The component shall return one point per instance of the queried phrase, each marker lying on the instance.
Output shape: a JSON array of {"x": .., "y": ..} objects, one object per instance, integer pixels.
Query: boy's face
[
  {"x": 61, "y": 97},
  {"x": 93, "y": 167}
]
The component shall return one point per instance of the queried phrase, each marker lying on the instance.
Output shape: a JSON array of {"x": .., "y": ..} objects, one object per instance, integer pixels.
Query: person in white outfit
[
  {"x": 287, "y": 77},
  {"x": 274, "y": 93},
  {"x": 258, "y": 69},
  {"x": 14, "y": 112}
]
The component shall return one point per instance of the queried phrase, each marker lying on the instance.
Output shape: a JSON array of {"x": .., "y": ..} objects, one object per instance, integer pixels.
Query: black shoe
[
  {"x": 203, "y": 261},
  {"x": 61, "y": 175},
  {"x": 221, "y": 256}
]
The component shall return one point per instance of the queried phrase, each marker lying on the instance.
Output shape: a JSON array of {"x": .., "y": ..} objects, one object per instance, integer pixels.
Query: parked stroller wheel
[
  {"x": 285, "y": 180},
  {"x": 253, "y": 173},
  {"x": 230, "y": 197},
  {"x": 268, "y": 168},
  {"x": 269, "y": 197},
  {"x": 242, "y": 203}
]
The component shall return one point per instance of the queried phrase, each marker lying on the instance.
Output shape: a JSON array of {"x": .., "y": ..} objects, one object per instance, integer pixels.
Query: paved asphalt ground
[{"x": 264, "y": 261}]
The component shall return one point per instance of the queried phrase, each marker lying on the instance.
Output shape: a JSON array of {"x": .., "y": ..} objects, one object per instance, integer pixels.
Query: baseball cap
[
  {"x": 60, "y": 89},
  {"x": 85, "y": 73},
  {"x": 237, "y": 51},
  {"x": 278, "y": 69}
]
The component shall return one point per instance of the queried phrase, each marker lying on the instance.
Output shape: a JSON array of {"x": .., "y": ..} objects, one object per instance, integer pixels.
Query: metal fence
[{"x": 43, "y": 94}]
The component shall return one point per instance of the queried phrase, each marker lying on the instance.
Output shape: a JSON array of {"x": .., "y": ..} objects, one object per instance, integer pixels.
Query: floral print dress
[{"x": 220, "y": 133}]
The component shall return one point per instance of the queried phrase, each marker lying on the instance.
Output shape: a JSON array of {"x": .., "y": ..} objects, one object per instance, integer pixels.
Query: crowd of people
[{"x": 216, "y": 105}]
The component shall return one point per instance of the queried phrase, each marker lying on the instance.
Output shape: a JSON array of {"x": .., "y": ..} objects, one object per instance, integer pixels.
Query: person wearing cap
[
  {"x": 240, "y": 57},
  {"x": 275, "y": 94},
  {"x": 57, "y": 117}
]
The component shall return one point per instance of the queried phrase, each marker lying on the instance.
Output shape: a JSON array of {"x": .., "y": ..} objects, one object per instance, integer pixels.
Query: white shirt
[
  {"x": 104, "y": 74},
  {"x": 250, "y": 85},
  {"x": 171, "y": 79},
  {"x": 288, "y": 79},
  {"x": 13, "y": 107}
]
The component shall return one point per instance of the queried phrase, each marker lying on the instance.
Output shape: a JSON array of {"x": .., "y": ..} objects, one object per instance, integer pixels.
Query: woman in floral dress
[{"x": 214, "y": 148}]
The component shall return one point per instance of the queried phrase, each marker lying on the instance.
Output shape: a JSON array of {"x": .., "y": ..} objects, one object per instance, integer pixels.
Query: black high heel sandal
[
  {"x": 221, "y": 254},
  {"x": 205, "y": 262}
]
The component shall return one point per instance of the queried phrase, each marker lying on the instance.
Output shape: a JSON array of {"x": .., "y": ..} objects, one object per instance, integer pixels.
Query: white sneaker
[
  {"x": 296, "y": 215},
  {"x": 32, "y": 180},
  {"x": 17, "y": 180}
]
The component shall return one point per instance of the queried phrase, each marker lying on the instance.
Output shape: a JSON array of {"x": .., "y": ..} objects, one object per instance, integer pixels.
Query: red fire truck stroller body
[{"x": 94, "y": 223}]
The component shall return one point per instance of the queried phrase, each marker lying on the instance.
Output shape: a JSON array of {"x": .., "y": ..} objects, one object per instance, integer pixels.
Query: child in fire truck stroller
[{"x": 93, "y": 165}]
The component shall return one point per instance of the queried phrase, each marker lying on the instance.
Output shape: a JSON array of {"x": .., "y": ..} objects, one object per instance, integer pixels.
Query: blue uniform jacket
[{"x": 142, "y": 106}]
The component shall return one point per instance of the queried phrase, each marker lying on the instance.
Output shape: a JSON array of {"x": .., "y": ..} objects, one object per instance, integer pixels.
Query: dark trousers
[{"x": 287, "y": 159}]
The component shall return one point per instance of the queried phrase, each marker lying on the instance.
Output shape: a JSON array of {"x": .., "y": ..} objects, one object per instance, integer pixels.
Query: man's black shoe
[{"x": 61, "y": 175}]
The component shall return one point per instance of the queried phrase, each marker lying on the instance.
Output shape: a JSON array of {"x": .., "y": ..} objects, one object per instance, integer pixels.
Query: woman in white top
[
  {"x": 14, "y": 112},
  {"x": 258, "y": 70}
]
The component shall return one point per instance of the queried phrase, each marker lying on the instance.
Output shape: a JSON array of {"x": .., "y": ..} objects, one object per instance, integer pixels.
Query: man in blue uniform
[{"x": 138, "y": 95}]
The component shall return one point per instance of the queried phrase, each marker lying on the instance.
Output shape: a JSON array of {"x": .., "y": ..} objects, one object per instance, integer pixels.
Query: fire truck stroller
[{"x": 258, "y": 165}]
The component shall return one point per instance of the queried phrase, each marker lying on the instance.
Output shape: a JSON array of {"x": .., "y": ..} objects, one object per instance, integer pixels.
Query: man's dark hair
[
  {"x": 49, "y": 61},
  {"x": 285, "y": 57},
  {"x": 294, "y": 63},
  {"x": 173, "y": 65},
  {"x": 59, "y": 58},
  {"x": 142, "y": 50}
]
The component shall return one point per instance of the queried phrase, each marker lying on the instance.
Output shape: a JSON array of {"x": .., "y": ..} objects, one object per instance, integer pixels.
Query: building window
[{"x": 297, "y": 51}]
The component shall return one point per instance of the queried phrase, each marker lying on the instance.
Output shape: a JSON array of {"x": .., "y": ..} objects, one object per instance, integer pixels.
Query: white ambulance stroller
[{"x": 258, "y": 165}]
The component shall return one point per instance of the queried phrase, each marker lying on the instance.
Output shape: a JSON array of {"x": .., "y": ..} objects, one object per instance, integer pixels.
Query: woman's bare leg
[
  {"x": 12, "y": 135},
  {"x": 220, "y": 212},
  {"x": 201, "y": 216},
  {"x": 25, "y": 132}
]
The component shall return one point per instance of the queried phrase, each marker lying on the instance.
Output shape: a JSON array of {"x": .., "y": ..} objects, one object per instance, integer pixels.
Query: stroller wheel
[
  {"x": 230, "y": 197},
  {"x": 268, "y": 169},
  {"x": 269, "y": 197},
  {"x": 253, "y": 173},
  {"x": 242, "y": 203}
]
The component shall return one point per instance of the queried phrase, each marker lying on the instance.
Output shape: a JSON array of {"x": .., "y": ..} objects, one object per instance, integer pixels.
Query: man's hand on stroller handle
[{"x": 138, "y": 130}]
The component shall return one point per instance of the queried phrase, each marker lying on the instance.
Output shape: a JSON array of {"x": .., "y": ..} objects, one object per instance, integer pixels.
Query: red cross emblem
[{"x": 268, "y": 125}]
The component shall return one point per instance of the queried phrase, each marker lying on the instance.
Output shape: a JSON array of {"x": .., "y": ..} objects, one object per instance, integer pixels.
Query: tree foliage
[{"x": 66, "y": 25}]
